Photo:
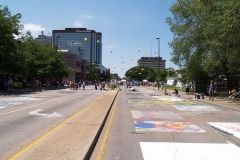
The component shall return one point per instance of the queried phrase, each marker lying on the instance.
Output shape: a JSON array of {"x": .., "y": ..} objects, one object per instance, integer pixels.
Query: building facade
[
  {"x": 152, "y": 62},
  {"x": 85, "y": 44}
]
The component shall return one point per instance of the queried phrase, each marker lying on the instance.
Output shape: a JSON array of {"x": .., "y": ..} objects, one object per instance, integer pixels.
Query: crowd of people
[
  {"x": 73, "y": 85},
  {"x": 9, "y": 83}
]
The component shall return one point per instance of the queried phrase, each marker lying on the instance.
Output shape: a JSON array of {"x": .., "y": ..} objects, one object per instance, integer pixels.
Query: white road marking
[
  {"x": 16, "y": 110},
  {"x": 189, "y": 151},
  {"x": 45, "y": 115},
  {"x": 232, "y": 128}
]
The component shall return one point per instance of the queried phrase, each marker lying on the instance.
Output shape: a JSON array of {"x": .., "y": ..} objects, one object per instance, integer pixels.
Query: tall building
[
  {"x": 85, "y": 44},
  {"x": 152, "y": 62}
]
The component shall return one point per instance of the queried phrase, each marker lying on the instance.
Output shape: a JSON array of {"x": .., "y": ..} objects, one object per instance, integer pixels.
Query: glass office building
[{"x": 86, "y": 44}]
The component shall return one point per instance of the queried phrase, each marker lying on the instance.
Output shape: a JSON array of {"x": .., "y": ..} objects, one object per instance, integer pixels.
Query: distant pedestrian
[
  {"x": 95, "y": 84},
  {"x": 10, "y": 83},
  {"x": 175, "y": 92},
  {"x": 103, "y": 85},
  {"x": 83, "y": 85},
  {"x": 162, "y": 85},
  {"x": 188, "y": 86},
  {"x": 212, "y": 90}
]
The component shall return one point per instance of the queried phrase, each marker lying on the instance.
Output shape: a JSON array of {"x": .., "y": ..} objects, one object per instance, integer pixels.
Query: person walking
[
  {"x": 212, "y": 89},
  {"x": 188, "y": 86},
  {"x": 83, "y": 85},
  {"x": 95, "y": 84}
]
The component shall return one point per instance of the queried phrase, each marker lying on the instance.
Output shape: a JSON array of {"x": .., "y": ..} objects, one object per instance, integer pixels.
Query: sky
[{"x": 129, "y": 27}]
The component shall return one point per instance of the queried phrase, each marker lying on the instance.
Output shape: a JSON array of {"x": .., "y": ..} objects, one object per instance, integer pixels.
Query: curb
[{"x": 96, "y": 138}]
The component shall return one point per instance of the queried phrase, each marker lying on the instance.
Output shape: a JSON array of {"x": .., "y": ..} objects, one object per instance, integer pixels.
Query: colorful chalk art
[
  {"x": 162, "y": 126},
  {"x": 185, "y": 103},
  {"x": 189, "y": 151},
  {"x": 18, "y": 100},
  {"x": 168, "y": 98},
  {"x": 195, "y": 108},
  {"x": 231, "y": 128},
  {"x": 152, "y": 115},
  {"x": 143, "y": 102}
]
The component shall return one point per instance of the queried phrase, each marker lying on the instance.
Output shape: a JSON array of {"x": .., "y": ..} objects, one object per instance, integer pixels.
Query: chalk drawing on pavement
[
  {"x": 152, "y": 115},
  {"x": 142, "y": 102},
  {"x": 14, "y": 101},
  {"x": 163, "y": 126},
  {"x": 195, "y": 108},
  {"x": 189, "y": 151},
  {"x": 185, "y": 103},
  {"x": 168, "y": 98},
  {"x": 231, "y": 128}
]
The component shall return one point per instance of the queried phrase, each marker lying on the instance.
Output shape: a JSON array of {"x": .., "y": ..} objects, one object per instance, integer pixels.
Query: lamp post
[{"x": 158, "y": 39}]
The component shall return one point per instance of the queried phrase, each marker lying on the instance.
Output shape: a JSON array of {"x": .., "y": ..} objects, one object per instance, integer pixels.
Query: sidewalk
[
  {"x": 73, "y": 138},
  {"x": 219, "y": 101}
]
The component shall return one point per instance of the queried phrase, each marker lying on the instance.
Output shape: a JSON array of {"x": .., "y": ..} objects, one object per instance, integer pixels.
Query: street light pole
[{"x": 158, "y": 62}]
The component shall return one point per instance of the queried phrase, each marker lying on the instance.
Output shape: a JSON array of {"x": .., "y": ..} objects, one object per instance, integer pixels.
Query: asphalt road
[
  {"x": 148, "y": 125},
  {"x": 23, "y": 118}
]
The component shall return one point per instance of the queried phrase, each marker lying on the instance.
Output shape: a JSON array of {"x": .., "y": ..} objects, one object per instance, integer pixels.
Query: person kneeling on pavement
[{"x": 234, "y": 93}]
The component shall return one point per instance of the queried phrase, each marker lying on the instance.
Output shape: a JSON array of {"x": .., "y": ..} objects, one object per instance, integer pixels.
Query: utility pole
[{"x": 158, "y": 62}]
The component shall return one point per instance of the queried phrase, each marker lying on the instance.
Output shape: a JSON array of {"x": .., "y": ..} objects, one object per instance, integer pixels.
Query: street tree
[
  {"x": 141, "y": 73},
  {"x": 41, "y": 61},
  {"x": 9, "y": 29},
  {"x": 94, "y": 73},
  {"x": 206, "y": 37}
]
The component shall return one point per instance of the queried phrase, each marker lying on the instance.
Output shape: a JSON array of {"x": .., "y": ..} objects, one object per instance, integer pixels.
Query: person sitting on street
[
  {"x": 234, "y": 93},
  {"x": 237, "y": 95},
  {"x": 166, "y": 92}
]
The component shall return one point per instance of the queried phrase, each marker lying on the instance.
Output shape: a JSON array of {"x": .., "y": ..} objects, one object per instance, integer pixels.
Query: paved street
[
  {"x": 148, "y": 125},
  {"x": 142, "y": 125},
  {"x": 23, "y": 118}
]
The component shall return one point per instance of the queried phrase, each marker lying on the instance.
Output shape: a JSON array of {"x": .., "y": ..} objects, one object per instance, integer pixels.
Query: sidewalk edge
[{"x": 96, "y": 138}]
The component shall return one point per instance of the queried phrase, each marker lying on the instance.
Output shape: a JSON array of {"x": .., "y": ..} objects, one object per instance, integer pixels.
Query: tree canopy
[
  {"x": 141, "y": 73},
  {"x": 9, "y": 28},
  {"x": 206, "y": 37},
  {"x": 21, "y": 56}
]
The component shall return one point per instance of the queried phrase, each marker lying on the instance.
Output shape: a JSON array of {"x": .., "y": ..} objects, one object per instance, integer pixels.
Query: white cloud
[
  {"x": 108, "y": 47},
  {"x": 83, "y": 20},
  {"x": 34, "y": 29},
  {"x": 86, "y": 17},
  {"x": 78, "y": 24}
]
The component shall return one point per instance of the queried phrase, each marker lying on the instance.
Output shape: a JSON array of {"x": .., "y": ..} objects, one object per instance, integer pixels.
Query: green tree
[
  {"x": 206, "y": 37},
  {"x": 9, "y": 28},
  {"x": 108, "y": 75},
  {"x": 41, "y": 62},
  {"x": 188, "y": 45},
  {"x": 94, "y": 73},
  {"x": 223, "y": 33},
  {"x": 140, "y": 73}
]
